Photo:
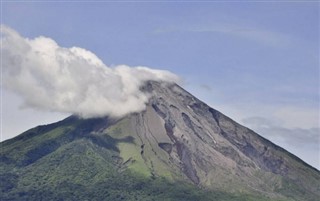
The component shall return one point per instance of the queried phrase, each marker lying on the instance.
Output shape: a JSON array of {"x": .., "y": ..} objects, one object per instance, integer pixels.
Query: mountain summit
[{"x": 178, "y": 148}]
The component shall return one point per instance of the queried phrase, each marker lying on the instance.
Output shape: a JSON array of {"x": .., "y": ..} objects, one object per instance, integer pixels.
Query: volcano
[{"x": 178, "y": 148}]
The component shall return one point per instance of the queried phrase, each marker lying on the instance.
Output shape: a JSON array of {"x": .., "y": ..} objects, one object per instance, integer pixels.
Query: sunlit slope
[{"x": 178, "y": 148}]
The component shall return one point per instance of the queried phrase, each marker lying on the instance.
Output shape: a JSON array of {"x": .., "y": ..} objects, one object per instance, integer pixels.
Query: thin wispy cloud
[
  {"x": 258, "y": 59},
  {"x": 303, "y": 141},
  {"x": 259, "y": 35}
]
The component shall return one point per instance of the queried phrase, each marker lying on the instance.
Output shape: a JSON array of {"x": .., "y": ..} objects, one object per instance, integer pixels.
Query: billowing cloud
[{"x": 72, "y": 80}]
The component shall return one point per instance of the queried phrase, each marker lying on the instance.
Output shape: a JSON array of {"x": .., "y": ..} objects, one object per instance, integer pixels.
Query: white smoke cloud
[{"x": 72, "y": 80}]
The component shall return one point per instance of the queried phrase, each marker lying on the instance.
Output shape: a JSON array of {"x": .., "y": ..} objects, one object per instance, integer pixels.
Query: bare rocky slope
[{"x": 177, "y": 140}]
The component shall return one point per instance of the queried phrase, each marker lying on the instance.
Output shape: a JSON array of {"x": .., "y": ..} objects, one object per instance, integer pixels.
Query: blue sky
[{"x": 256, "y": 62}]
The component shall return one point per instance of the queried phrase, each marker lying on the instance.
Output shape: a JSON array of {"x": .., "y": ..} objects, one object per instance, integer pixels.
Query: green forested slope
[{"x": 67, "y": 161}]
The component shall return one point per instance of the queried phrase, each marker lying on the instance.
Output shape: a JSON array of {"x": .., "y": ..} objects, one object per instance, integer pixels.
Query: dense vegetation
[
  {"x": 118, "y": 187},
  {"x": 67, "y": 161}
]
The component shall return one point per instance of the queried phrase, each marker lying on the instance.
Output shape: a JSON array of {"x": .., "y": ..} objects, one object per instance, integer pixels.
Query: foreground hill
[{"x": 177, "y": 149}]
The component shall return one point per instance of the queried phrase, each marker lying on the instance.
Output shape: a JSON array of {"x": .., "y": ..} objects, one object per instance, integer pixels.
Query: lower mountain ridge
[{"x": 178, "y": 148}]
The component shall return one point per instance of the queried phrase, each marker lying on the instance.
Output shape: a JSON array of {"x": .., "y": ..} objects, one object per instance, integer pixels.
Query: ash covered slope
[
  {"x": 173, "y": 150},
  {"x": 214, "y": 151}
]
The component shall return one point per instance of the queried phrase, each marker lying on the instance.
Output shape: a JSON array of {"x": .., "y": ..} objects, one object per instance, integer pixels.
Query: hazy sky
[{"x": 256, "y": 62}]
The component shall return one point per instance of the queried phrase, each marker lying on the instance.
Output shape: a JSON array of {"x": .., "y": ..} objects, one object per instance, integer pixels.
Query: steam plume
[{"x": 72, "y": 80}]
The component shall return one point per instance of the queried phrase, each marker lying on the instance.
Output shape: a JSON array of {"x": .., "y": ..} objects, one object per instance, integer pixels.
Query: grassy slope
[
  {"x": 63, "y": 162},
  {"x": 78, "y": 171}
]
